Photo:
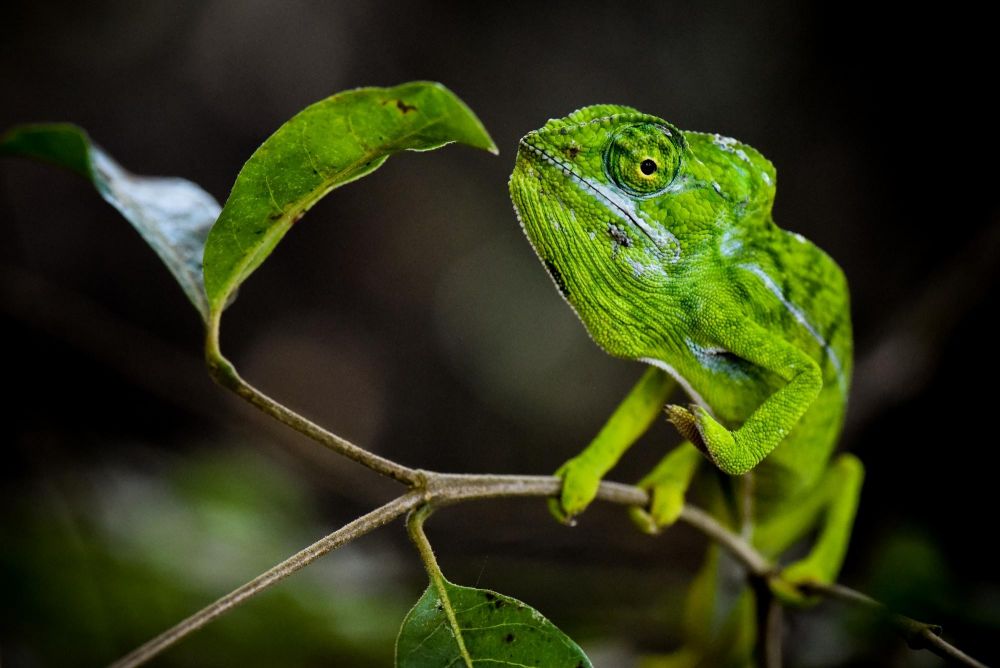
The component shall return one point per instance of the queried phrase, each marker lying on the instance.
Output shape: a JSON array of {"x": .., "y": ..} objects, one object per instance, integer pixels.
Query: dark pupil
[{"x": 647, "y": 166}]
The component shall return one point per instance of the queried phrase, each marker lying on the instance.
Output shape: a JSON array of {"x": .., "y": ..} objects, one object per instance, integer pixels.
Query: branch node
[{"x": 918, "y": 634}]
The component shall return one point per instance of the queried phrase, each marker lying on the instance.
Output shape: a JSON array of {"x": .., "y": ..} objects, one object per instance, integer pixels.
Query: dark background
[{"x": 408, "y": 313}]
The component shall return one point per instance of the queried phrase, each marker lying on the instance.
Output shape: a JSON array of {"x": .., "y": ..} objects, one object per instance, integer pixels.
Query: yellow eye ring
[{"x": 642, "y": 159}]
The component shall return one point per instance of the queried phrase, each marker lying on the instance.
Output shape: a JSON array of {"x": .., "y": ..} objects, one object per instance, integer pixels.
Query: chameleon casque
[{"x": 662, "y": 242}]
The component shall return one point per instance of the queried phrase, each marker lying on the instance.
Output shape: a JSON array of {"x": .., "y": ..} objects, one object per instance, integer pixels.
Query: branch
[{"x": 443, "y": 489}]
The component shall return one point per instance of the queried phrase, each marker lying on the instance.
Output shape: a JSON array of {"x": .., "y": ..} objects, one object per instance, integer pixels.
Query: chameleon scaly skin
[{"x": 663, "y": 244}]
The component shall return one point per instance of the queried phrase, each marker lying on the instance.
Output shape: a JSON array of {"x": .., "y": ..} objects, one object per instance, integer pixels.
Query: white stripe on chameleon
[
  {"x": 695, "y": 397},
  {"x": 662, "y": 238},
  {"x": 723, "y": 142},
  {"x": 797, "y": 313},
  {"x": 730, "y": 245},
  {"x": 729, "y": 144},
  {"x": 638, "y": 268},
  {"x": 711, "y": 359}
]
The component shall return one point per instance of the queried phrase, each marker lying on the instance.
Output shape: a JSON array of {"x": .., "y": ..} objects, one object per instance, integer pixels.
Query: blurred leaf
[
  {"x": 328, "y": 144},
  {"x": 909, "y": 573},
  {"x": 173, "y": 215},
  {"x": 102, "y": 559},
  {"x": 496, "y": 630}
]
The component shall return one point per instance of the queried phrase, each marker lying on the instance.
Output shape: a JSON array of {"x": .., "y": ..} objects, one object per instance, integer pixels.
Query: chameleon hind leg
[
  {"x": 835, "y": 501},
  {"x": 719, "y": 625}
]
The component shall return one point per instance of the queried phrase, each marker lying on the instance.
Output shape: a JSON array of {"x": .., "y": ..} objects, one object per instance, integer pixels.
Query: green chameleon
[{"x": 662, "y": 242}]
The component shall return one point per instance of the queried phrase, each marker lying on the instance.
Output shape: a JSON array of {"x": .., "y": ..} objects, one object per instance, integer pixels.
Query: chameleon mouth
[{"x": 615, "y": 202}]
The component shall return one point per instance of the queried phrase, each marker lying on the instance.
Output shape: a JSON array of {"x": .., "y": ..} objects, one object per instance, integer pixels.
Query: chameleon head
[{"x": 616, "y": 204}]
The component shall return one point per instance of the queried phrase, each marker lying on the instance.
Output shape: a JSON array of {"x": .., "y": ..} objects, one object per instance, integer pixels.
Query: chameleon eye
[{"x": 642, "y": 159}]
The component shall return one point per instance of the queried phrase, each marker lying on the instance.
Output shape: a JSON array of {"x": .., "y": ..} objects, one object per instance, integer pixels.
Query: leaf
[
  {"x": 173, "y": 215},
  {"x": 328, "y": 144},
  {"x": 496, "y": 631}
]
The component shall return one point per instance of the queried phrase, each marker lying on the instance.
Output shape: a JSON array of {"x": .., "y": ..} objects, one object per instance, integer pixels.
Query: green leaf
[
  {"x": 493, "y": 629},
  {"x": 328, "y": 144},
  {"x": 173, "y": 215}
]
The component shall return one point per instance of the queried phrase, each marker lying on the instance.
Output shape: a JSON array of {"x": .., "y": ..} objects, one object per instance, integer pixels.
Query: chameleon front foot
[
  {"x": 580, "y": 482},
  {"x": 729, "y": 450}
]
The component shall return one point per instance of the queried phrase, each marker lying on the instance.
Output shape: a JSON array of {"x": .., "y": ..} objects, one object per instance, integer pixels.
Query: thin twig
[
  {"x": 751, "y": 559},
  {"x": 224, "y": 373},
  {"x": 917, "y": 635},
  {"x": 356, "y": 529}
]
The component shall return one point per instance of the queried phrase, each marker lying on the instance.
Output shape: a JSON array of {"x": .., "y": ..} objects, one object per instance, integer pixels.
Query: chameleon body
[{"x": 663, "y": 243}]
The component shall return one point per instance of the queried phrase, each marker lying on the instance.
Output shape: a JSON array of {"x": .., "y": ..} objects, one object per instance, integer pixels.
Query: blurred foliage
[{"x": 98, "y": 562}]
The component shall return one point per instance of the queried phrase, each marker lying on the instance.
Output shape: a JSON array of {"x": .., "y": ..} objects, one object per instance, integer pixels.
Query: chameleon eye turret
[{"x": 643, "y": 159}]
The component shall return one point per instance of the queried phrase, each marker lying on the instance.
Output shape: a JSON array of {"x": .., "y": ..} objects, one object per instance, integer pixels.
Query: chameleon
[{"x": 662, "y": 242}]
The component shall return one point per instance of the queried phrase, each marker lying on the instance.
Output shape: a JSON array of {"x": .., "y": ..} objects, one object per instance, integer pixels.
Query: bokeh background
[{"x": 408, "y": 313}]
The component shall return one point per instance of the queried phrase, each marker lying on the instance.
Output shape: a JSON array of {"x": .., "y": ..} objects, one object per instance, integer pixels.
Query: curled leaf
[
  {"x": 328, "y": 144},
  {"x": 172, "y": 214}
]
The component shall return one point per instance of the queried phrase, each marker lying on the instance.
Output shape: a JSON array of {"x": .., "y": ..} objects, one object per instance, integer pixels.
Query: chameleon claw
[
  {"x": 787, "y": 584},
  {"x": 686, "y": 423},
  {"x": 644, "y": 521},
  {"x": 557, "y": 511},
  {"x": 666, "y": 501},
  {"x": 714, "y": 441},
  {"x": 579, "y": 487}
]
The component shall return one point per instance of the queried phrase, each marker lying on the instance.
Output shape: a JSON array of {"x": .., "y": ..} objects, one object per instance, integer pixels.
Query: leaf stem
[{"x": 415, "y": 527}]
